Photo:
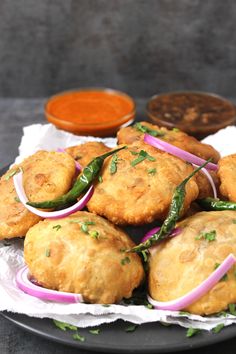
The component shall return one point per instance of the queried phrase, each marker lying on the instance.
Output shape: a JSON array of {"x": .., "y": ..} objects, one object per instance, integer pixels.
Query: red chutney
[{"x": 98, "y": 112}]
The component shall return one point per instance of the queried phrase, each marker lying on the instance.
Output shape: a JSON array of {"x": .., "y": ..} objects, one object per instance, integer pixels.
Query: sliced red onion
[
  {"x": 18, "y": 183},
  {"x": 184, "y": 301},
  {"x": 175, "y": 232},
  {"x": 211, "y": 181},
  {"x": 174, "y": 150},
  {"x": 77, "y": 165},
  {"x": 23, "y": 282}
]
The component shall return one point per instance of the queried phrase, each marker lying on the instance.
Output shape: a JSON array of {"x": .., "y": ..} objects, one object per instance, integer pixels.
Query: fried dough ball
[
  {"x": 142, "y": 193},
  {"x": 46, "y": 175},
  {"x": 178, "y": 138},
  {"x": 84, "y": 153},
  {"x": 227, "y": 175},
  {"x": 181, "y": 263},
  {"x": 83, "y": 254}
]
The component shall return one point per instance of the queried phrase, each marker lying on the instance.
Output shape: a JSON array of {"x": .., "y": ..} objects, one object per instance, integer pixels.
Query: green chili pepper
[
  {"x": 88, "y": 175},
  {"x": 216, "y": 204},
  {"x": 173, "y": 215}
]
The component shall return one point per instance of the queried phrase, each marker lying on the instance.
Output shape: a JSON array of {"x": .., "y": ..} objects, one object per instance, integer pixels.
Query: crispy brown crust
[
  {"x": 182, "y": 263},
  {"x": 76, "y": 262},
  {"x": 227, "y": 175}
]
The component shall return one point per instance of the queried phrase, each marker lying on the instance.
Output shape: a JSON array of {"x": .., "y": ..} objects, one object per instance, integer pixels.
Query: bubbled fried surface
[
  {"x": 178, "y": 138},
  {"x": 135, "y": 194},
  {"x": 46, "y": 175},
  {"x": 227, "y": 175},
  {"x": 61, "y": 256},
  {"x": 181, "y": 263},
  {"x": 84, "y": 153}
]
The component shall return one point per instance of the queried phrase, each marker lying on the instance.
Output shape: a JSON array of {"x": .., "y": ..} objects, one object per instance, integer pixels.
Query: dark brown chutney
[{"x": 197, "y": 113}]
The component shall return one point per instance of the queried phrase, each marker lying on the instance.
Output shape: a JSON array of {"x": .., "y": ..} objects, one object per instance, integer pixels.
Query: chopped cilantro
[
  {"x": 125, "y": 260},
  {"x": 134, "y": 152},
  {"x": 145, "y": 129},
  {"x": 192, "y": 332},
  {"x": 218, "y": 328},
  {"x": 94, "y": 234},
  {"x": 64, "y": 326},
  {"x": 208, "y": 236},
  {"x": 143, "y": 155},
  {"x": 106, "y": 305},
  {"x": 131, "y": 328},
  {"x": 175, "y": 130},
  {"x": 184, "y": 313},
  {"x": 84, "y": 226},
  {"x": 17, "y": 199},
  {"x": 95, "y": 331},
  {"x": 100, "y": 179},
  {"x": 152, "y": 171},
  {"x": 222, "y": 314},
  {"x": 78, "y": 337},
  {"x": 11, "y": 174},
  {"x": 57, "y": 227},
  {"x": 225, "y": 277},
  {"x": 47, "y": 252},
  {"x": 232, "y": 309},
  {"x": 234, "y": 221},
  {"x": 148, "y": 305},
  {"x": 113, "y": 165},
  {"x": 145, "y": 255}
]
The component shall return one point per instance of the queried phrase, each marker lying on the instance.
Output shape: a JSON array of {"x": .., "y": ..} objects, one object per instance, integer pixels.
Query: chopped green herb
[
  {"x": 125, "y": 260},
  {"x": 208, "y": 236},
  {"x": 184, "y": 313},
  {"x": 57, "y": 227},
  {"x": 218, "y": 328},
  {"x": 152, "y": 171},
  {"x": 192, "y": 332},
  {"x": 106, "y": 305},
  {"x": 94, "y": 234},
  {"x": 78, "y": 337},
  {"x": 222, "y": 314},
  {"x": 225, "y": 277},
  {"x": 145, "y": 255},
  {"x": 148, "y": 305},
  {"x": 143, "y": 155},
  {"x": 234, "y": 221},
  {"x": 11, "y": 174},
  {"x": 84, "y": 226},
  {"x": 175, "y": 130},
  {"x": 100, "y": 179},
  {"x": 113, "y": 165},
  {"x": 95, "y": 331},
  {"x": 17, "y": 199},
  {"x": 64, "y": 326},
  {"x": 47, "y": 252},
  {"x": 131, "y": 328},
  {"x": 134, "y": 152},
  {"x": 144, "y": 129},
  {"x": 232, "y": 309}
]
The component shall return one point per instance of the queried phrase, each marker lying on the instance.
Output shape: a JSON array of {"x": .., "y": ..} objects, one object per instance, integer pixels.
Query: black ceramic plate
[{"x": 148, "y": 338}]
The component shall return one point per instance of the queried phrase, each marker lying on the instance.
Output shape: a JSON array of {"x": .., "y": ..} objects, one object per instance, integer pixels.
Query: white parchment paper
[{"x": 36, "y": 137}]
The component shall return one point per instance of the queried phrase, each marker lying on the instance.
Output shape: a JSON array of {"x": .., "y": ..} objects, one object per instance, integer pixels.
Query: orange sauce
[{"x": 91, "y": 111}]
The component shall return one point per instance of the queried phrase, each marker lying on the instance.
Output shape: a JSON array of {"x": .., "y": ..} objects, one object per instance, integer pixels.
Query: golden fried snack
[
  {"x": 83, "y": 254},
  {"x": 205, "y": 188},
  {"x": 227, "y": 175},
  {"x": 181, "y": 263},
  {"x": 47, "y": 175},
  {"x": 138, "y": 193},
  {"x": 178, "y": 138},
  {"x": 84, "y": 153}
]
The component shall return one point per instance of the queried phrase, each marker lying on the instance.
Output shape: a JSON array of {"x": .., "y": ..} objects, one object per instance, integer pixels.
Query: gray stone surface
[{"x": 139, "y": 46}]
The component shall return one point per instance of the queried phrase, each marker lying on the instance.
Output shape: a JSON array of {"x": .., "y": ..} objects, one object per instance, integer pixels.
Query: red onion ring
[
  {"x": 23, "y": 282},
  {"x": 174, "y": 150},
  {"x": 18, "y": 183},
  {"x": 174, "y": 233},
  {"x": 195, "y": 294}
]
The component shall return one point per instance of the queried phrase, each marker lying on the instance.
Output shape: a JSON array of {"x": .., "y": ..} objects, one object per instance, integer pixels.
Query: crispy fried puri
[
  {"x": 227, "y": 175},
  {"x": 91, "y": 263},
  {"x": 180, "y": 264},
  {"x": 46, "y": 175},
  {"x": 142, "y": 193},
  {"x": 178, "y": 138},
  {"x": 84, "y": 153},
  {"x": 205, "y": 188}
]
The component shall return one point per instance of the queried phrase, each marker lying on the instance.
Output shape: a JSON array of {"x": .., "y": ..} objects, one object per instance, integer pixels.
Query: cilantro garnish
[
  {"x": 113, "y": 165},
  {"x": 225, "y": 277},
  {"x": 232, "y": 309},
  {"x": 144, "y": 129},
  {"x": 100, "y": 179},
  {"x": 47, "y": 252},
  {"x": 125, "y": 260},
  {"x": 152, "y": 171},
  {"x": 94, "y": 234},
  {"x": 234, "y": 221},
  {"x": 57, "y": 227},
  {"x": 95, "y": 331},
  {"x": 17, "y": 199},
  {"x": 218, "y": 328},
  {"x": 175, "y": 130},
  {"x": 131, "y": 328},
  {"x": 208, "y": 236},
  {"x": 11, "y": 174},
  {"x": 78, "y": 337},
  {"x": 192, "y": 332},
  {"x": 143, "y": 155},
  {"x": 64, "y": 326}
]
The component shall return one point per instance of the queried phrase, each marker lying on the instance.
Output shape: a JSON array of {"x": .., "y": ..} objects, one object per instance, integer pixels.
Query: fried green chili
[
  {"x": 216, "y": 204},
  {"x": 173, "y": 215},
  {"x": 88, "y": 175}
]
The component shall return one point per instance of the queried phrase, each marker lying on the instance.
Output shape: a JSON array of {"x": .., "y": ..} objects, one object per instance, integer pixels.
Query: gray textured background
[{"x": 138, "y": 46}]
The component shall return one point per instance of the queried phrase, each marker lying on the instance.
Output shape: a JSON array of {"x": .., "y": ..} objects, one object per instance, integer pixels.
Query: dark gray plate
[{"x": 148, "y": 338}]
